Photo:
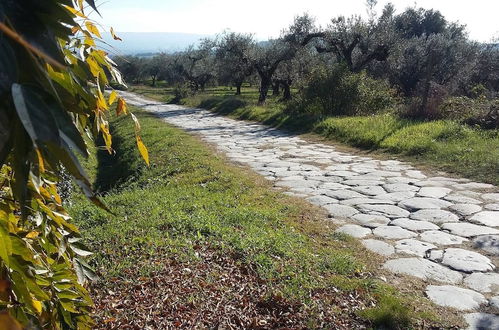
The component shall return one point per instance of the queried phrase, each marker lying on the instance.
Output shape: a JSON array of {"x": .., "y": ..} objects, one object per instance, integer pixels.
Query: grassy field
[
  {"x": 442, "y": 144},
  {"x": 195, "y": 241}
]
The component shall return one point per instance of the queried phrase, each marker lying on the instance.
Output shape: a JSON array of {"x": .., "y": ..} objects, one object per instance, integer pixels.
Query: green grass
[
  {"x": 188, "y": 198},
  {"x": 443, "y": 144}
]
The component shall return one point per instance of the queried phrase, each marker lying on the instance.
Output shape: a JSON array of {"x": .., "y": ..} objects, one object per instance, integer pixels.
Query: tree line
[{"x": 417, "y": 55}]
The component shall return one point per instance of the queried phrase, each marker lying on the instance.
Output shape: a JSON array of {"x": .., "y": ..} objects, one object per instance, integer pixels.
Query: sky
[{"x": 266, "y": 18}]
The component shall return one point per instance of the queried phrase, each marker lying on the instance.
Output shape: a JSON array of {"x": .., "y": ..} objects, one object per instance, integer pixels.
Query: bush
[
  {"x": 180, "y": 92},
  {"x": 474, "y": 111},
  {"x": 340, "y": 92}
]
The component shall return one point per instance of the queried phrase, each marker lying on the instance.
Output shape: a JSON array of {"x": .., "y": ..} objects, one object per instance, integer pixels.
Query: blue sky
[{"x": 213, "y": 16}]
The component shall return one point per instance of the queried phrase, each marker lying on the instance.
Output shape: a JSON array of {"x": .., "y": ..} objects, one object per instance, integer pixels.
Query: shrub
[
  {"x": 337, "y": 91},
  {"x": 474, "y": 111}
]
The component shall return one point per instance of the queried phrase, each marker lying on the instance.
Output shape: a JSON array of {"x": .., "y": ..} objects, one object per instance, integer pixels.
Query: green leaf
[
  {"x": 5, "y": 243},
  {"x": 35, "y": 114}
]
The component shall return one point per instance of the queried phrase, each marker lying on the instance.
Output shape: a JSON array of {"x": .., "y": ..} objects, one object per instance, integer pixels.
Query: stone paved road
[{"x": 437, "y": 228}]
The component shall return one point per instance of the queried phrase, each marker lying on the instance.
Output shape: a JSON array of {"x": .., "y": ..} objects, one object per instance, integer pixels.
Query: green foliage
[
  {"x": 51, "y": 93},
  {"x": 340, "y": 92},
  {"x": 389, "y": 314}
]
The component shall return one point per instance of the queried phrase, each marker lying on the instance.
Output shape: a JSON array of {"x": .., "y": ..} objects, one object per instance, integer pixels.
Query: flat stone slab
[
  {"x": 414, "y": 247},
  {"x": 489, "y": 243},
  {"x": 483, "y": 282},
  {"x": 371, "y": 221},
  {"x": 379, "y": 247},
  {"x": 455, "y": 297},
  {"x": 469, "y": 230},
  {"x": 486, "y": 218},
  {"x": 340, "y": 211},
  {"x": 460, "y": 199},
  {"x": 494, "y": 302},
  {"x": 397, "y": 187},
  {"x": 390, "y": 211},
  {"x": 354, "y": 231},
  {"x": 396, "y": 196},
  {"x": 465, "y": 209},
  {"x": 322, "y": 200},
  {"x": 365, "y": 200},
  {"x": 369, "y": 190},
  {"x": 393, "y": 232},
  {"x": 435, "y": 192},
  {"x": 442, "y": 238},
  {"x": 344, "y": 194},
  {"x": 466, "y": 261},
  {"x": 423, "y": 269},
  {"x": 482, "y": 321},
  {"x": 360, "y": 182},
  {"x": 414, "y": 225},
  {"x": 420, "y": 203},
  {"x": 492, "y": 207},
  {"x": 434, "y": 216},
  {"x": 492, "y": 197}
]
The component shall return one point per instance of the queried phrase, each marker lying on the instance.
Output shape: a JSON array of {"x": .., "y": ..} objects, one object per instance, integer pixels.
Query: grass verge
[
  {"x": 443, "y": 144},
  {"x": 195, "y": 242}
]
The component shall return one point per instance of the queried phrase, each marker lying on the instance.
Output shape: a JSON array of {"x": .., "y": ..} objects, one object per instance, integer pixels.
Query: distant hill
[{"x": 139, "y": 43}]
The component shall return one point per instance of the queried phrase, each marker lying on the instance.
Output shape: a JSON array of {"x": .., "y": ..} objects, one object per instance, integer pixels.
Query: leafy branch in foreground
[{"x": 52, "y": 91}]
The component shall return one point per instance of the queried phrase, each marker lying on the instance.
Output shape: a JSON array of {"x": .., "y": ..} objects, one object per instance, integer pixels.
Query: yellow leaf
[
  {"x": 89, "y": 41},
  {"x": 75, "y": 29},
  {"x": 112, "y": 97},
  {"x": 94, "y": 66},
  {"x": 41, "y": 166},
  {"x": 121, "y": 107},
  {"x": 101, "y": 102},
  {"x": 92, "y": 28},
  {"x": 115, "y": 37},
  {"x": 80, "y": 4},
  {"x": 142, "y": 149},
  {"x": 37, "y": 305},
  {"x": 75, "y": 11},
  {"x": 33, "y": 234},
  {"x": 7, "y": 322}
]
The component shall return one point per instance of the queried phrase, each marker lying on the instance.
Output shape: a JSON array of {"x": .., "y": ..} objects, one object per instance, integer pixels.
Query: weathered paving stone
[
  {"x": 297, "y": 183},
  {"x": 492, "y": 207},
  {"x": 489, "y": 243},
  {"x": 492, "y": 197},
  {"x": 423, "y": 269},
  {"x": 358, "y": 201},
  {"x": 344, "y": 194},
  {"x": 483, "y": 282},
  {"x": 460, "y": 199},
  {"x": 474, "y": 186},
  {"x": 419, "y": 203},
  {"x": 371, "y": 221},
  {"x": 393, "y": 232},
  {"x": 357, "y": 182},
  {"x": 397, "y": 187},
  {"x": 414, "y": 225},
  {"x": 442, "y": 238},
  {"x": 415, "y": 174},
  {"x": 433, "y": 192},
  {"x": 414, "y": 247},
  {"x": 465, "y": 209},
  {"x": 390, "y": 211},
  {"x": 466, "y": 261},
  {"x": 397, "y": 196},
  {"x": 345, "y": 174},
  {"x": 322, "y": 200},
  {"x": 469, "y": 230},
  {"x": 379, "y": 247},
  {"x": 369, "y": 190},
  {"x": 486, "y": 218},
  {"x": 354, "y": 231},
  {"x": 494, "y": 302},
  {"x": 455, "y": 297},
  {"x": 340, "y": 211},
  {"x": 434, "y": 216},
  {"x": 482, "y": 321}
]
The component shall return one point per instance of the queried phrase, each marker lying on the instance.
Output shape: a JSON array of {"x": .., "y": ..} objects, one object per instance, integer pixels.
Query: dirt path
[{"x": 440, "y": 229}]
